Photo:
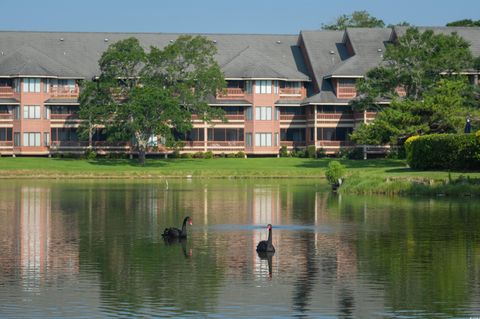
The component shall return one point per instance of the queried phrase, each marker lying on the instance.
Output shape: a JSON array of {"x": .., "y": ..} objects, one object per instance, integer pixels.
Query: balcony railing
[
  {"x": 64, "y": 91},
  {"x": 292, "y": 117},
  {"x": 64, "y": 116},
  {"x": 6, "y": 143},
  {"x": 59, "y": 144},
  {"x": 6, "y": 116},
  {"x": 292, "y": 93},
  {"x": 231, "y": 93},
  {"x": 225, "y": 143},
  {"x": 292, "y": 143},
  {"x": 346, "y": 92},
  {"x": 7, "y": 92},
  {"x": 325, "y": 143},
  {"x": 334, "y": 116}
]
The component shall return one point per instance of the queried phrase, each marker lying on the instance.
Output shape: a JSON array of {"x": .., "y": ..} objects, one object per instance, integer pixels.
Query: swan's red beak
[{"x": 190, "y": 222}]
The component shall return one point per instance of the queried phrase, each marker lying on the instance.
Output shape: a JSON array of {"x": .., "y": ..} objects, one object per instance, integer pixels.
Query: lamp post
[{"x": 468, "y": 126}]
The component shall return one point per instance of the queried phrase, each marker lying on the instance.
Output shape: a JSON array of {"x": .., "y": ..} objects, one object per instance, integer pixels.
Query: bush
[
  {"x": 240, "y": 154},
  {"x": 310, "y": 151},
  {"x": 186, "y": 155},
  {"x": 283, "y": 151},
  {"x": 90, "y": 154},
  {"x": 297, "y": 153},
  {"x": 231, "y": 155},
  {"x": 334, "y": 172},
  {"x": 321, "y": 153},
  {"x": 176, "y": 154},
  {"x": 198, "y": 155},
  {"x": 208, "y": 154},
  {"x": 355, "y": 153},
  {"x": 443, "y": 151}
]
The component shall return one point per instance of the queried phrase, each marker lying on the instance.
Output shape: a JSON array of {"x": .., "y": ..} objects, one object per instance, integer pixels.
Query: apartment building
[{"x": 292, "y": 90}]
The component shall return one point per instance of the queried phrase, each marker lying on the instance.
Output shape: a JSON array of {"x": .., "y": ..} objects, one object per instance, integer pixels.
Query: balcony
[
  {"x": 64, "y": 92},
  {"x": 6, "y": 144},
  {"x": 225, "y": 144},
  {"x": 334, "y": 144},
  {"x": 292, "y": 117},
  {"x": 65, "y": 117},
  {"x": 292, "y": 143},
  {"x": 6, "y": 116},
  {"x": 7, "y": 92},
  {"x": 335, "y": 116},
  {"x": 292, "y": 93},
  {"x": 346, "y": 92},
  {"x": 231, "y": 93}
]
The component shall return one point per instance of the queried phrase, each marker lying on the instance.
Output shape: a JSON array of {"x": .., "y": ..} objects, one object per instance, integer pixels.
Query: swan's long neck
[
  {"x": 270, "y": 236},
  {"x": 184, "y": 226}
]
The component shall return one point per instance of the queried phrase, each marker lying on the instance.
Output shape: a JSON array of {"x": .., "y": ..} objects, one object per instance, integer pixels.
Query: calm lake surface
[{"x": 94, "y": 249}]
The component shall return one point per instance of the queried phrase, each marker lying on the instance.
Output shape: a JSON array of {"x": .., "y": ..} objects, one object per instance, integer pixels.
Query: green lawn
[{"x": 40, "y": 167}]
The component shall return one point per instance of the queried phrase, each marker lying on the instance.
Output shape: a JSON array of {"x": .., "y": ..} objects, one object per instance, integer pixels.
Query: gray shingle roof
[{"x": 78, "y": 53}]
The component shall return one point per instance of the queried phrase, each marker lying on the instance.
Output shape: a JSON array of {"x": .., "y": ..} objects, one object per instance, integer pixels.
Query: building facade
[{"x": 292, "y": 90}]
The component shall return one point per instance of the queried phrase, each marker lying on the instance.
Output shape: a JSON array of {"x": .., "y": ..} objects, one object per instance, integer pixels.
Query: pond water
[{"x": 94, "y": 249}]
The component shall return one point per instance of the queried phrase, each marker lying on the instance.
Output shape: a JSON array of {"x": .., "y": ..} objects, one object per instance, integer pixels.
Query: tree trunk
[{"x": 141, "y": 154}]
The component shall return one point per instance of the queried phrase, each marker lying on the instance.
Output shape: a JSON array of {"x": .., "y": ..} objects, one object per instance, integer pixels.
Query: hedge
[{"x": 443, "y": 151}]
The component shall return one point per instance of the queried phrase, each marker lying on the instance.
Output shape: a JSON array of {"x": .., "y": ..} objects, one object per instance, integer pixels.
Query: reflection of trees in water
[
  {"x": 308, "y": 274},
  {"x": 136, "y": 268}
]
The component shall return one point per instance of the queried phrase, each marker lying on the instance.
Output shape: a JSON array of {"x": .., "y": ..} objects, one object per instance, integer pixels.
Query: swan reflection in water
[
  {"x": 267, "y": 256},
  {"x": 172, "y": 241}
]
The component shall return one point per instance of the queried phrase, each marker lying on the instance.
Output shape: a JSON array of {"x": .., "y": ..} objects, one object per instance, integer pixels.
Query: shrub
[
  {"x": 297, "y": 153},
  {"x": 240, "y": 154},
  {"x": 321, "y": 153},
  {"x": 310, "y": 152},
  {"x": 90, "y": 154},
  {"x": 176, "y": 153},
  {"x": 231, "y": 155},
  {"x": 443, "y": 151},
  {"x": 283, "y": 151},
  {"x": 198, "y": 155},
  {"x": 334, "y": 172},
  {"x": 354, "y": 153},
  {"x": 186, "y": 155},
  {"x": 208, "y": 154}
]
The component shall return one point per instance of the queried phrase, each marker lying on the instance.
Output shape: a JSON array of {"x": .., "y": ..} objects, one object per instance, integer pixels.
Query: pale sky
[{"x": 220, "y": 16}]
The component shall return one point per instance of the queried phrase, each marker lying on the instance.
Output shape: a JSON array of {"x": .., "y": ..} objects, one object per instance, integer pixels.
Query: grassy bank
[{"x": 380, "y": 176}]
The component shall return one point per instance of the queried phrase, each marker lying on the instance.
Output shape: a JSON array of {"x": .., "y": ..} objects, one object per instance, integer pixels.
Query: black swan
[
  {"x": 173, "y": 232},
  {"x": 266, "y": 245}
]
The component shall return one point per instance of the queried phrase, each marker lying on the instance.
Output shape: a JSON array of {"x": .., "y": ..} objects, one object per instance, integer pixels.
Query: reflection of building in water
[{"x": 40, "y": 240}]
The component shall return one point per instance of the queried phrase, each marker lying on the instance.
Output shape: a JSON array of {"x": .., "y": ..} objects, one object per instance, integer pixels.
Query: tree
[
  {"x": 143, "y": 94},
  {"x": 441, "y": 110},
  {"x": 416, "y": 62},
  {"x": 358, "y": 19},
  {"x": 464, "y": 23}
]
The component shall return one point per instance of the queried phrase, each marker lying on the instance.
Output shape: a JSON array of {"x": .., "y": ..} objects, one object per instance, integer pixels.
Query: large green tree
[
  {"x": 142, "y": 94},
  {"x": 464, "y": 23},
  {"x": 358, "y": 19},
  {"x": 427, "y": 67}
]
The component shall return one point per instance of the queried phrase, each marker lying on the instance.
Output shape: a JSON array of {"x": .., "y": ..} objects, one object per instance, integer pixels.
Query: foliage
[
  {"x": 283, "y": 151},
  {"x": 321, "y": 152},
  {"x": 443, "y": 109},
  {"x": 140, "y": 94},
  {"x": 353, "y": 153},
  {"x": 444, "y": 151},
  {"x": 310, "y": 152},
  {"x": 240, "y": 155},
  {"x": 416, "y": 62},
  {"x": 186, "y": 155},
  {"x": 334, "y": 172},
  {"x": 464, "y": 23},
  {"x": 90, "y": 154},
  {"x": 198, "y": 155},
  {"x": 208, "y": 154},
  {"x": 358, "y": 19}
]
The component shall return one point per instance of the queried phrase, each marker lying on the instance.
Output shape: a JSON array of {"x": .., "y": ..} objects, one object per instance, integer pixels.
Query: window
[
  {"x": 293, "y": 134},
  {"x": 31, "y": 85},
  {"x": 225, "y": 134},
  {"x": 16, "y": 85},
  {"x": 263, "y": 113},
  {"x": 46, "y": 139},
  {"x": 46, "y": 85},
  {"x": 47, "y": 112},
  {"x": 263, "y": 87},
  {"x": 277, "y": 142},
  {"x": 249, "y": 114},
  {"x": 334, "y": 133},
  {"x": 292, "y": 110},
  {"x": 16, "y": 139},
  {"x": 263, "y": 139},
  {"x": 275, "y": 87},
  {"x": 5, "y": 133},
  {"x": 248, "y": 139},
  {"x": 16, "y": 112},
  {"x": 31, "y": 139},
  {"x": 31, "y": 111},
  {"x": 248, "y": 87},
  {"x": 70, "y": 134},
  {"x": 233, "y": 110}
]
